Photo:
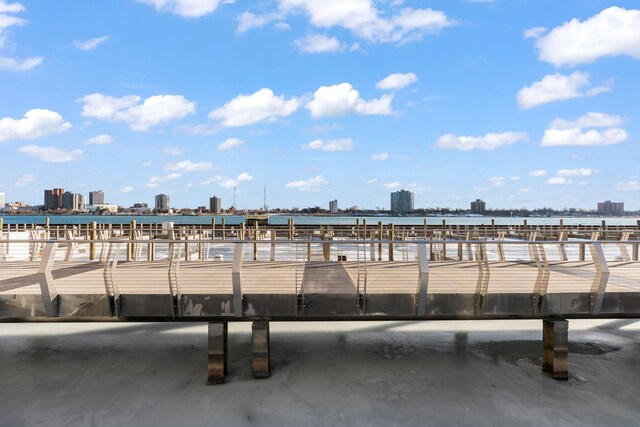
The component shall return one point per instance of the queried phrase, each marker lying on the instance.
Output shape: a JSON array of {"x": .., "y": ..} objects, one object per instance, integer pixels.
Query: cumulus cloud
[
  {"x": 392, "y": 185},
  {"x": 558, "y": 87},
  {"x": 8, "y": 20},
  {"x": 35, "y": 124},
  {"x": 366, "y": 21},
  {"x": 380, "y": 156},
  {"x": 534, "y": 33},
  {"x": 612, "y": 32},
  {"x": 99, "y": 140},
  {"x": 24, "y": 180},
  {"x": 311, "y": 184},
  {"x": 340, "y": 99},
  {"x": 127, "y": 189},
  {"x": 189, "y": 166},
  {"x": 155, "y": 181},
  {"x": 557, "y": 180},
  {"x": 344, "y": 144},
  {"x": 498, "y": 181},
  {"x": 262, "y": 105},
  {"x": 51, "y": 154},
  {"x": 490, "y": 141},
  {"x": 539, "y": 172},
  {"x": 230, "y": 143},
  {"x": 581, "y": 132},
  {"x": 231, "y": 182},
  {"x": 632, "y": 185},
  {"x": 173, "y": 151},
  {"x": 186, "y": 8},
  {"x": 576, "y": 172},
  {"x": 151, "y": 112},
  {"x": 397, "y": 81},
  {"x": 318, "y": 43},
  {"x": 90, "y": 44}
]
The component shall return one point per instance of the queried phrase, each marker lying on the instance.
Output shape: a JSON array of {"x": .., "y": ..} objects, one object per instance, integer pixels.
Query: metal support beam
[
  {"x": 555, "y": 358},
  {"x": 236, "y": 278},
  {"x": 599, "y": 286},
  {"x": 260, "y": 343},
  {"x": 423, "y": 279},
  {"x": 45, "y": 278},
  {"x": 218, "y": 362}
]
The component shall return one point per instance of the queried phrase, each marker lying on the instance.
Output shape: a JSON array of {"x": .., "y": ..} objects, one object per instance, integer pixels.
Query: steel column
[{"x": 45, "y": 278}]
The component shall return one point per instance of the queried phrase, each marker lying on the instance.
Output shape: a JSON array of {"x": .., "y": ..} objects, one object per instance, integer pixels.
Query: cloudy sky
[{"x": 521, "y": 103}]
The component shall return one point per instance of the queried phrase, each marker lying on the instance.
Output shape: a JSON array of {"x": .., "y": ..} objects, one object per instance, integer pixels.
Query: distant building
[
  {"x": 96, "y": 197},
  {"x": 402, "y": 202},
  {"x": 215, "y": 205},
  {"x": 70, "y": 201},
  {"x": 333, "y": 206},
  {"x": 611, "y": 208},
  {"x": 82, "y": 202},
  {"x": 140, "y": 206},
  {"x": 478, "y": 207},
  {"x": 2, "y": 200},
  {"x": 162, "y": 203},
  {"x": 53, "y": 199}
]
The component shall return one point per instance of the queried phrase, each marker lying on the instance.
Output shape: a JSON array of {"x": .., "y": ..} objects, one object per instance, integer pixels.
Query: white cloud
[
  {"x": 612, "y": 32},
  {"x": 632, "y": 185},
  {"x": 35, "y": 124},
  {"x": 526, "y": 190},
  {"x": 340, "y": 99},
  {"x": 230, "y": 182},
  {"x": 189, "y": 166},
  {"x": 244, "y": 177},
  {"x": 558, "y": 87},
  {"x": 557, "y": 180},
  {"x": 318, "y": 43},
  {"x": 11, "y": 64},
  {"x": 127, "y": 189},
  {"x": 262, "y": 105},
  {"x": 186, "y": 8},
  {"x": 397, "y": 81},
  {"x": 380, "y": 156},
  {"x": 366, "y": 21},
  {"x": 230, "y": 143},
  {"x": 90, "y": 44},
  {"x": 25, "y": 180},
  {"x": 490, "y": 141},
  {"x": 248, "y": 20},
  {"x": 173, "y": 151},
  {"x": 312, "y": 184},
  {"x": 154, "y": 181},
  {"x": 534, "y": 33},
  {"x": 576, "y": 172},
  {"x": 571, "y": 133},
  {"x": 514, "y": 178},
  {"x": 344, "y": 144},
  {"x": 498, "y": 181},
  {"x": 539, "y": 172},
  {"x": 99, "y": 140},
  {"x": 372, "y": 181},
  {"x": 139, "y": 116},
  {"x": 392, "y": 185},
  {"x": 51, "y": 154}
]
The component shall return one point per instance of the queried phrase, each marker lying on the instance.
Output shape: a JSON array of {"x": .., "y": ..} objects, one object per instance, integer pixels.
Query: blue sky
[{"x": 520, "y": 103}]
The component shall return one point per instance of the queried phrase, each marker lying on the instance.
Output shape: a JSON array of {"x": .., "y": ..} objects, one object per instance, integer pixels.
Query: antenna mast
[{"x": 234, "y": 198}]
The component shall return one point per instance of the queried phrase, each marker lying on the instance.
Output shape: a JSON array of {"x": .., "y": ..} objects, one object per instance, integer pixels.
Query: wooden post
[
  {"x": 364, "y": 229},
  {"x": 380, "y": 230},
  {"x": 357, "y": 228},
  {"x": 604, "y": 230},
  {"x": 131, "y": 249},
  {"x": 223, "y": 228},
  {"x": 260, "y": 341},
  {"x": 255, "y": 239},
  {"x": 493, "y": 229},
  {"x": 424, "y": 230},
  {"x": 218, "y": 352},
  {"x": 555, "y": 338},
  {"x": 635, "y": 245},
  {"x": 390, "y": 234},
  {"x": 525, "y": 230},
  {"x": 1, "y": 224},
  {"x": 213, "y": 228},
  {"x": 93, "y": 236},
  {"x": 241, "y": 232}
]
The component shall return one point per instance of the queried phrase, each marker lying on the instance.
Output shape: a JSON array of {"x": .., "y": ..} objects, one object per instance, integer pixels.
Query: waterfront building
[
  {"x": 53, "y": 199},
  {"x": 478, "y": 207},
  {"x": 96, "y": 197},
  {"x": 2, "y": 200},
  {"x": 333, "y": 206},
  {"x": 82, "y": 202},
  {"x": 402, "y": 202},
  {"x": 163, "y": 203},
  {"x": 70, "y": 201},
  {"x": 611, "y": 208},
  {"x": 215, "y": 205}
]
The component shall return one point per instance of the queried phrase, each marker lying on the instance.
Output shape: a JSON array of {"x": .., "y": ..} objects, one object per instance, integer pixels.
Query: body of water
[{"x": 310, "y": 220}]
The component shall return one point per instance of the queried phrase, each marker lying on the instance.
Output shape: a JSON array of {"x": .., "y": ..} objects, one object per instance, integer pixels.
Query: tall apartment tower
[
  {"x": 96, "y": 197},
  {"x": 53, "y": 199},
  {"x": 162, "y": 203},
  {"x": 333, "y": 206},
  {"x": 215, "y": 205},
  {"x": 402, "y": 202},
  {"x": 70, "y": 200},
  {"x": 478, "y": 207},
  {"x": 611, "y": 208}
]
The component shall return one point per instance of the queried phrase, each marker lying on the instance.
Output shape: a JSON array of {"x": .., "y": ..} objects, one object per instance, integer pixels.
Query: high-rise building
[
  {"x": 611, "y": 208},
  {"x": 2, "y": 200},
  {"x": 402, "y": 202},
  {"x": 333, "y": 206},
  {"x": 96, "y": 197},
  {"x": 162, "y": 203},
  {"x": 215, "y": 205},
  {"x": 82, "y": 202},
  {"x": 70, "y": 201},
  {"x": 53, "y": 199},
  {"x": 478, "y": 207}
]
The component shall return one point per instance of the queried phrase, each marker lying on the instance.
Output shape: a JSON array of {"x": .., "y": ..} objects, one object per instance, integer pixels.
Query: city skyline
[{"x": 453, "y": 101}]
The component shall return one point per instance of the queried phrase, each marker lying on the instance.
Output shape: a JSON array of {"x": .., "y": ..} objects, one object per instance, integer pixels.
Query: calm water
[{"x": 306, "y": 220}]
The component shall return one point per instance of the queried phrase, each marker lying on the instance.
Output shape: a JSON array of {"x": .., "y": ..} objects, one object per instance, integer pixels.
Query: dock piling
[
  {"x": 555, "y": 359},
  {"x": 260, "y": 341},
  {"x": 218, "y": 352}
]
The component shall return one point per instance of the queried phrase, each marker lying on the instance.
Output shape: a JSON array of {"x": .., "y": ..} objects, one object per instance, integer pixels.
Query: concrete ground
[{"x": 331, "y": 374}]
